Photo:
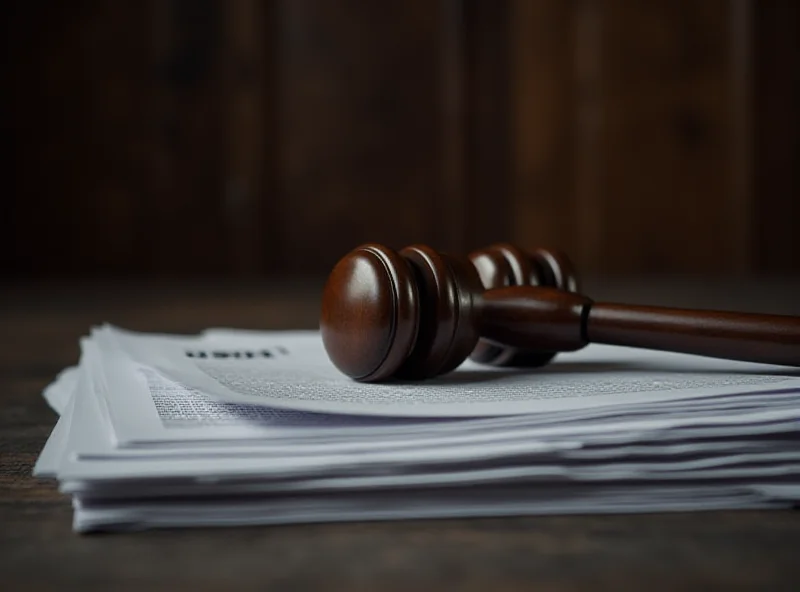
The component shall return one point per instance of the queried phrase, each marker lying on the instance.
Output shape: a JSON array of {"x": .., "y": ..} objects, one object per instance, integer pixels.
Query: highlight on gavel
[{"x": 418, "y": 313}]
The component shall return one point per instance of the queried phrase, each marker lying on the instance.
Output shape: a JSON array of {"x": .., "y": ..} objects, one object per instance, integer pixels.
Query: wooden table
[{"x": 41, "y": 324}]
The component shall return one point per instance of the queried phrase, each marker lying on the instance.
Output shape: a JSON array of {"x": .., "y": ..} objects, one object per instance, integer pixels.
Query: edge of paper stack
[{"x": 236, "y": 427}]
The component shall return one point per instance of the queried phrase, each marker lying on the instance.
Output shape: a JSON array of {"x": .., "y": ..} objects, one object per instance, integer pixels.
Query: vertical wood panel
[
  {"x": 543, "y": 138},
  {"x": 360, "y": 128},
  {"x": 246, "y": 55},
  {"x": 741, "y": 118},
  {"x": 489, "y": 123},
  {"x": 588, "y": 214},
  {"x": 631, "y": 119},
  {"x": 454, "y": 124},
  {"x": 186, "y": 225},
  {"x": 74, "y": 99},
  {"x": 241, "y": 136},
  {"x": 668, "y": 138},
  {"x": 777, "y": 138}
]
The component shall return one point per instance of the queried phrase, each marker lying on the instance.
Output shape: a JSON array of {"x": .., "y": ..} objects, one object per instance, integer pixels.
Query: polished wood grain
[
  {"x": 419, "y": 313},
  {"x": 752, "y": 550},
  {"x": 535, "y": 318},
  {"x": 409, "y": 314},
  {"x": 372, "y": 324},
  {"x": 771, "y": 339}
]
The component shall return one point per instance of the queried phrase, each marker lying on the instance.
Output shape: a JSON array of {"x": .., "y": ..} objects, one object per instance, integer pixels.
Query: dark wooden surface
[
  {"x": 41, "y": 324},
  {"x": 217, "y": 136}
]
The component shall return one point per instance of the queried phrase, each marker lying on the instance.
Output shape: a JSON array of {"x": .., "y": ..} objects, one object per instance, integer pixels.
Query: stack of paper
[{"x": 233, "y": 427}]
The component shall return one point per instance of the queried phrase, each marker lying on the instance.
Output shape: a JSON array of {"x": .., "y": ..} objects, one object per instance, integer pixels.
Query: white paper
[
  {"x": 291, "y": 370},
  {"x": 604, "y": 430}
]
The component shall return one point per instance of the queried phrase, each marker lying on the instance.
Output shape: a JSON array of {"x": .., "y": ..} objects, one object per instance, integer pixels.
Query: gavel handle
[
  {"x": 553, "y": 320},
  {"x": 770, "y": 339}
]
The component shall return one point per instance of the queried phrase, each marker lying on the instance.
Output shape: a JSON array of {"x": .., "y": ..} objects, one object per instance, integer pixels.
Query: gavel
[
  {"x": 417, "y": 313},
  {"x": 502, "y": 265}
]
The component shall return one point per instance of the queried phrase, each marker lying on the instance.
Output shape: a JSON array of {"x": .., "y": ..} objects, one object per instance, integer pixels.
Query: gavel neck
[
  {"x": 537, "y": 318},
  {"x": 551, "y": 320}
]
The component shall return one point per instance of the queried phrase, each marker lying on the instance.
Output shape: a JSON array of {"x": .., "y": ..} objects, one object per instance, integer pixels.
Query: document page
[
  {"x": 246, "y": 427},
  {"x": 292, "y": 371}
]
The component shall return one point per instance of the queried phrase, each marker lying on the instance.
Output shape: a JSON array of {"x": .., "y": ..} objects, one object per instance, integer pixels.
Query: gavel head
[
  {"x": 407, "y": 314},
  {"x": 505, "y": 264}
]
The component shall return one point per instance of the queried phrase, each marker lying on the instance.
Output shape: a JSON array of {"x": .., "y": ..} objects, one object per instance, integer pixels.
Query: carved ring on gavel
[
  {"x": 416, "y": 314},
  {"x": 504, "y": 264}
]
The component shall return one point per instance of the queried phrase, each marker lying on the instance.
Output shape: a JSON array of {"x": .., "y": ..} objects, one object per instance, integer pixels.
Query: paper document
[
  {"x": 292, "y": 371},
  {"x": 241, "y": 427}
]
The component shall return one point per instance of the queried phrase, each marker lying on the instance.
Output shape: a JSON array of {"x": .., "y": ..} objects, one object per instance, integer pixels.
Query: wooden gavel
[{"x": 417, "y": 313}]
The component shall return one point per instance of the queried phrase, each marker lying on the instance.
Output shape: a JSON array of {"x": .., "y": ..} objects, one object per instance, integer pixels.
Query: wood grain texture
[
  {"x": 667, "y": 137},
  {"x": 184, "y": 221},
  {"x": 544, "y": 101},
  {"x": 42, "y": 323},
  {"x": 213, "y": 137},
  {"x": 487, "y": 178},
  {"x": 247, "y": 71},
  {"x": 776, "y": 148},
  {"x": 359, "y": 127},
  {"x": 634, "y": 127},
  {"x": 74, "y": 93}
]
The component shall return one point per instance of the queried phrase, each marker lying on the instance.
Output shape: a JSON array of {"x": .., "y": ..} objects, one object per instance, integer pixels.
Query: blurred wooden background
[{"x": 240, "y": 137}]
